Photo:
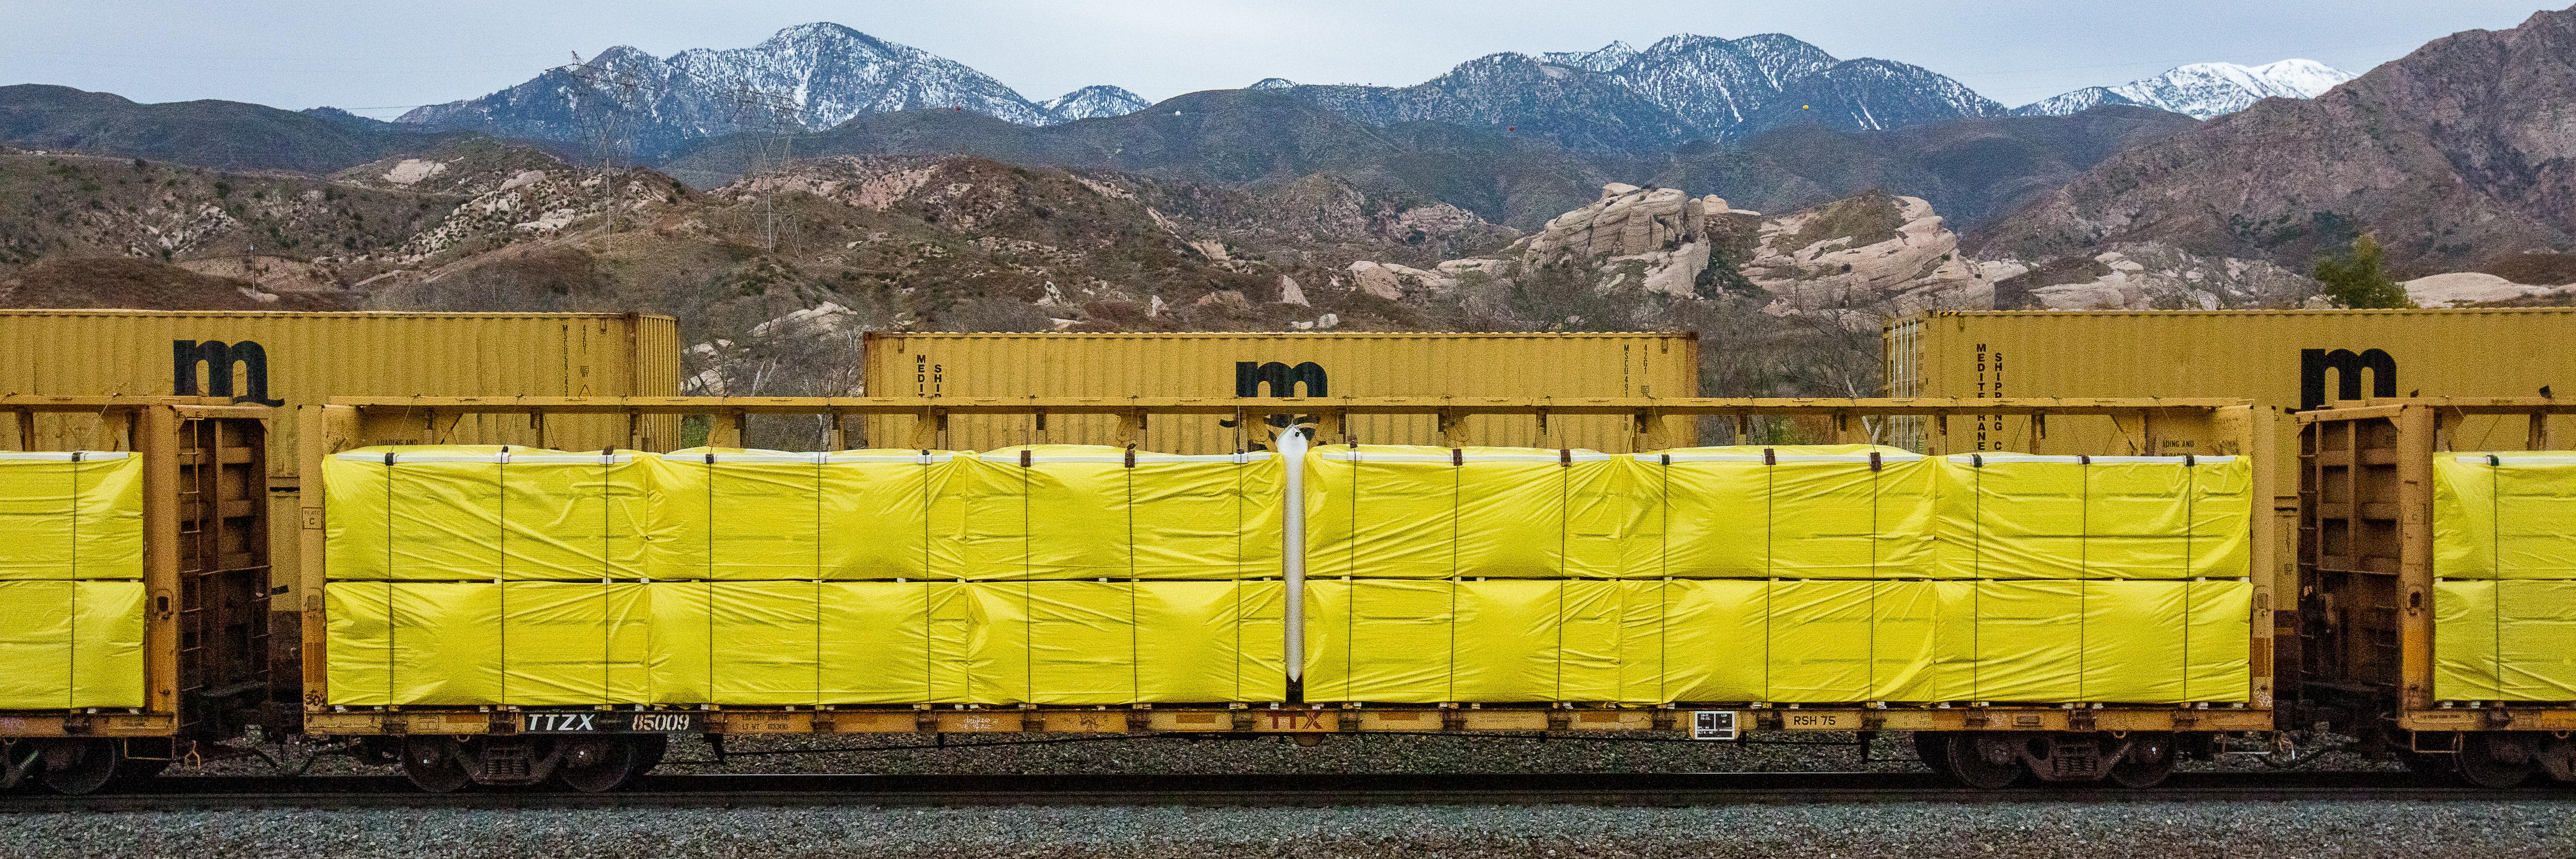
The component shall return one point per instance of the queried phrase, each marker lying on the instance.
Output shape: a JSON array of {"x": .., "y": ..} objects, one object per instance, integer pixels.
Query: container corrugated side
[
  {"x": 309, "y": 358},
  {"x": 2276, "y": 358},
  {"x": 1254, "y": 364}
]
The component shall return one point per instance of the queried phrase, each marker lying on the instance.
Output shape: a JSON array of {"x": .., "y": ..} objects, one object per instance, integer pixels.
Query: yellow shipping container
[
  {"x": 2287, "y": 359},
  {"x": 1278, "y": 364},
  {"x": 298, "y": 359}
]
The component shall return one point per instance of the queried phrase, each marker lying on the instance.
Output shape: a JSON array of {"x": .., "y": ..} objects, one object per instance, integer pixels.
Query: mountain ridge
[
  {"x": 2201, "y": 90},
  {"x": 2455, "y": 153}
]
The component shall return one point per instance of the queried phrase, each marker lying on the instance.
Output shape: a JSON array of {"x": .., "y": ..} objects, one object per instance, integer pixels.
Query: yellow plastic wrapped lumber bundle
[
  {"x": 2505, "y": 599},
  {"x": 2504, "y": 515},
  {"x": 2504, "y": 640},
  {"x": 1060, "y": 512},
  {"x": 71, "y": 590},
  {"x": 485, "y": 576},
  {"x": 766, "y": 515},
  {"x": 1101, "y": 575},
  {"x": 2136, "y": 641},
  {"x": 1413, "y": 512},
  {"x": 484, "y": 513},
  {"x": 1811, "y": 512},
  {"x": 1789, "y": 575},
  {"x": 2018, "y": 516},
  {"x": 1789, "y": 641},
  {"x": 1068, "y": 575},
  {"x": 463, "y": 643}
]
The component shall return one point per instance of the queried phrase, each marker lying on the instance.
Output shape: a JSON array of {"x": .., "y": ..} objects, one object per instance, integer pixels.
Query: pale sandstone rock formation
[
  {"x": 1918, "y": 269},
  {"x": 2463, "y": 288},
  {"x": 1394, "y": 282}
]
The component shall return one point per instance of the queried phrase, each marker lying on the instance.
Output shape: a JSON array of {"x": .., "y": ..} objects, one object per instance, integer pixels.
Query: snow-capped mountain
[
  {"x": 2201, "y": 90},
  {"x": 811, "y": 75},
  {"x": 1606, "y": 58},
  {"x": 1093, "y": 102},
  {"x": 2079, "y": 101},
  {"x": 1614, "y": 99},
  {"x": 1681, "y": 89},
  {"x": 1518, "y": 94}
]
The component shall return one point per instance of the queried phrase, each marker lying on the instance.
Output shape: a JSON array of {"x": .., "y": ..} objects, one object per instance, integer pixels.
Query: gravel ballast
[{"x": 2490, "y": 830}]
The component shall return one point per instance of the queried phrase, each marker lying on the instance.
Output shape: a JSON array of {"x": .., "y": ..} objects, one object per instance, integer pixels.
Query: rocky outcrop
[
  {"x": 1888, "y": 255},
  {"x": 2145, "y": 276},
  {"x": 1656, "y": 239},
  {"x": 1859, "y": 259},
  {"x": 1626, "y": 221},
  {"x": 1395, "y": 282},
  {"x": 2470, "y": 288}
]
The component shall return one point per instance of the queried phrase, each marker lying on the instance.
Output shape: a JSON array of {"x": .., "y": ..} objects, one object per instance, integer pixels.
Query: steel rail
[{"x": 210, "y": 793}]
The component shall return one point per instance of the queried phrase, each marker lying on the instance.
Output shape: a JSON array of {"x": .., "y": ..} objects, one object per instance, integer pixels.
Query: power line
[
  {"x": 612, "y": 93},
  {"x": 780, "y": 117}
]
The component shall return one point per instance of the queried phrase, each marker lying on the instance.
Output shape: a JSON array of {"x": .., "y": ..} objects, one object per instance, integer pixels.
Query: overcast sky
[{"x": 383, "y": 57}]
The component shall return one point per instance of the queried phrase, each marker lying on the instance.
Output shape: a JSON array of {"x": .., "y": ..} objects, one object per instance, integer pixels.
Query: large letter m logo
[
  {"x": 1250, "y": 377},
  {"x": 218, "y": 357},
  {"x": 2313, "y": 364},
  {"x": 1283, "y": 380}
]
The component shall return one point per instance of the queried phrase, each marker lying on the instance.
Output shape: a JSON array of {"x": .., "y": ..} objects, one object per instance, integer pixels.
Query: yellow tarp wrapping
[
  {"x": 2505, "y": 605},
  {"x": 483, "y": 513},
  {"x": 1412, "y": 512},
  {"x": 1819, "y": 512},
  {"x": 71, "y": 595},
  {"x": 1073, "y": 575},
  {"x": 755, "y": 515},
  {"x": 67, "y": 644},
  {"x": 2014, "y": 516},
  {"x": 2504, "y": 515},
  {"x": 1080, "y": 512},
  {"x": 1077, "y": 643},
  {"x": 1738, "y": 640},
  {"x": 2504, "y": 640},
  {"x": 805, "y": 643},
  {"x": 70, "y": 516},
  {"x": 469, "y": 643}
]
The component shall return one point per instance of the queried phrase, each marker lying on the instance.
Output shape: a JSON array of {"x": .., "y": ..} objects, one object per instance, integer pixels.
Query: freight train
[{"x": 518, "y": 614}]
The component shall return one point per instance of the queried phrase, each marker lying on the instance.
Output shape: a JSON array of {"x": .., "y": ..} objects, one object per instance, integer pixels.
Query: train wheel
[
  {"x": 1933, "y": 749},
  {"x": 76, "y": 767},
  {"x": 2149, "y": 760},
  {"x": 2495, "y": 761},
  {"x": 434, "y": 764},
  {"x": 596, "y": 764},
  {"x": 1986, "y": 761}
]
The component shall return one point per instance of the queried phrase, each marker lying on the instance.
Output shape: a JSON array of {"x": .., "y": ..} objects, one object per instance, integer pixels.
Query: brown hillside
[
  {"x": 133, "y": 284},
  {"x": 2451, "y": 155}
]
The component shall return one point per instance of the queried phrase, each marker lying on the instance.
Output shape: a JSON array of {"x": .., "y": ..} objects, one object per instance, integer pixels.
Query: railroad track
[{"x": 696, "y": 791}]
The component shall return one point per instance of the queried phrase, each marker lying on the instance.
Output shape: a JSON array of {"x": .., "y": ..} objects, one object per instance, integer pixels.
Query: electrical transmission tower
[
  {"x": 771, "y": 121},
  {"x": 603, "y": 100}
]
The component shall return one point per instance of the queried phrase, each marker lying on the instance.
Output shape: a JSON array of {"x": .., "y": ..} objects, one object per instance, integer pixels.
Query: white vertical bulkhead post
[{"x": 1292, "y": 552}]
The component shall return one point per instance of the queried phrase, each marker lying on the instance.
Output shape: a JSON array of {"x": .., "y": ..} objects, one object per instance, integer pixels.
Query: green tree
[{"x": 2355, "y": 281}]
